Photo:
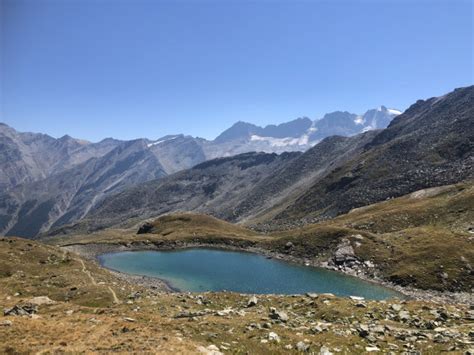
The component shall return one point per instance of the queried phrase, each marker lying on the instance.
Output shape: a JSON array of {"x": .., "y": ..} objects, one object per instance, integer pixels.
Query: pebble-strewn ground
[
  {"x": 53, "y": 301},
  {"x": 233, "y": 323}
]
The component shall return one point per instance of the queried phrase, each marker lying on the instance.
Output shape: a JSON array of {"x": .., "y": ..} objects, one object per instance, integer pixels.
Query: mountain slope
[
  {"x": 431, "y": 144},
  {"x": 213, "y": 187},
  {"x": 29, "y": 209},
  {"x": 52, "y": 182},
  {"x": 297, "y": 135},
  {"x": 29, "y": 157},
  {"x": 285, "y": 184}
]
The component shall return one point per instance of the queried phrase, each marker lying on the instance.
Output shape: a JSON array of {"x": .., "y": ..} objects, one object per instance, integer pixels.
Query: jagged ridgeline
[
  {"x": 338, "y": 163},
  {"x": 431, "y": 144},
  {"x": 46, "y": 182}
]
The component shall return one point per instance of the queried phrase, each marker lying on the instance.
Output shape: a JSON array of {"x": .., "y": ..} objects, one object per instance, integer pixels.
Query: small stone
[
  {"x": 210, "y": 350},
  {"x": 131, "y": 320},
  {"x": 379, "y": 329},
  {"x": 363, "y": 330},
  {"x": 6, "y": 323},
  {"x": 252, "y": 301},
  {"x": 369, "y": 264},
  {"x": 312, "y": 295},
  {"x": 302, "y": 346},
  {"x": 273, "y": 337},
  {"x": 404, "y": 316},
  {"x": 24, "y": 309},
  {"x": 325, "y": 351},
  {"x": 41, "y": 300},
  {"x": 371, "y": 349},
  {"x": 278, "y": 315},
  {"x": 396, "y": 307},
  {"x": 356, "y": 298}
]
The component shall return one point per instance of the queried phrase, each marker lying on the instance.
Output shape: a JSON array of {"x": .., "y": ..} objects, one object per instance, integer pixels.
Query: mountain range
[
  {"x": 78, "y": 186},
  {"x": 47, "y": 182},
  {"x": 429, "y": 145}
]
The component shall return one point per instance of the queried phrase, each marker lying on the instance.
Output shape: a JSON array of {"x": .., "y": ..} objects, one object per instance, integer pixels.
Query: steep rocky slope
[
  {"x": 280, "y": 188},
  {"x": 216, "y": 185},
  {"x": 430, "y": 144},
  {"x": 297, "y": 135},
  {"x": 55, "y": 181},
  {"x": 29, "y": 157},
  {"x": 29, "y": 209}
]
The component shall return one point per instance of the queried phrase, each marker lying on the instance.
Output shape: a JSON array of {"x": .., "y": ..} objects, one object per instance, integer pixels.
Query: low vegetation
[
  {"x": 423, "y": 240},
  {"x": 56, "y": 302}
]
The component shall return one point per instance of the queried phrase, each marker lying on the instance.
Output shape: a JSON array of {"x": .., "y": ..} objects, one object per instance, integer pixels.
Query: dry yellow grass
[{"x": 85, "y": 318}]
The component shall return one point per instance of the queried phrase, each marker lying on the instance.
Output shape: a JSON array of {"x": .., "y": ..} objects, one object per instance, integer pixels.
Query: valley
[
  {"x": 58, "y": 298},
  {"x": 236, "y": 177},
  {"x": 390, "y": 209}
]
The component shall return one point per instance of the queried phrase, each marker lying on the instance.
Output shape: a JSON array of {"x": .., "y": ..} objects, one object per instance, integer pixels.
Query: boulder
[
  {"x": 23, "y": 309},
  {"x": 145, "y": 228},
  {"x": 252, "y": 301},
  {"x": 302, "y": 346},
  {"x": 41, "y": 300},
  {"x": 344, "y": 254},
  {"x": 278, "y": 315}
]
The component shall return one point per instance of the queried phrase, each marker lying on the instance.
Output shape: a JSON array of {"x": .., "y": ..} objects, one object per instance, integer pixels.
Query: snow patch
[
  {"x": 394, "y": 112},
  {"x": 160, "y": 141},
  {"x": 359, "y": 120},
  {"x": 281, "y": 142}
]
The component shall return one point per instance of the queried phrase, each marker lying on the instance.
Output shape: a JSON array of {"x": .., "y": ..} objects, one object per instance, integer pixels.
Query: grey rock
[
  {"x": 273, "y": 337},
  {"x": 325, "y": 351},
  {"x": 252, "y": 301},
  {"x": 22, "y": 309},
  {"x": 302, "y": 346},
  {"x": 278, "y": 315}
]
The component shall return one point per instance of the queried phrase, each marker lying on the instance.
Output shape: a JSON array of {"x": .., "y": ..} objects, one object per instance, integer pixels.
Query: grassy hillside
[{"x": 421, "y": 240}]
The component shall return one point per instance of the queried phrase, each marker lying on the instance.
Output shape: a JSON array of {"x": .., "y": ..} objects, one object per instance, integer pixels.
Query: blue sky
[{"x": 129, "y": 69}]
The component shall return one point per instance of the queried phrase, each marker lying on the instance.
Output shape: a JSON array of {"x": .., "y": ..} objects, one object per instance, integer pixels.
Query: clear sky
[{"x": 137, "y": 68}]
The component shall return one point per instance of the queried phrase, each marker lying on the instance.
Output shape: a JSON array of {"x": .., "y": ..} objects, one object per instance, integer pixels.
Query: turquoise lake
[{"x": 199, "y": 270}]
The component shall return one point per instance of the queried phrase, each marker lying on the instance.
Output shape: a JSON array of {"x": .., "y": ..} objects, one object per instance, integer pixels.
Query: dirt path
[
  {"x": 88, "y": 273},
  {"x": 114, "y": 295}
]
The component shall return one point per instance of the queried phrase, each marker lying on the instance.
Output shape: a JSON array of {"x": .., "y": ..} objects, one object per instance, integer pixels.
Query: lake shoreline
[{"x": 92, "y": 251}]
